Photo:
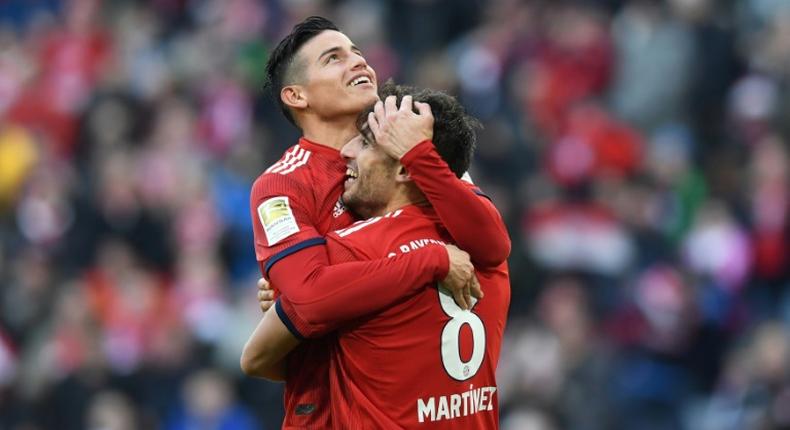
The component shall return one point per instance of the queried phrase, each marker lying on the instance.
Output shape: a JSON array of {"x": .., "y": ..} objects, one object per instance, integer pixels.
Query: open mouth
[
  {"x": 360, "y": 80},
  {"x": 351, "y": 176}
]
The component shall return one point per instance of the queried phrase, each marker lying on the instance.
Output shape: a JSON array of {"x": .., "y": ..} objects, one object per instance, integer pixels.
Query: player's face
[
  {"x": 370, "y": 178},
  {"x": 338, "y": 80}
]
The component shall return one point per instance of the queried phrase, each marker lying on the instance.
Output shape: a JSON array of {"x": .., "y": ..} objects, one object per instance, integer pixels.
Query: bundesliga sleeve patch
[{"x": 277, "y": 219}]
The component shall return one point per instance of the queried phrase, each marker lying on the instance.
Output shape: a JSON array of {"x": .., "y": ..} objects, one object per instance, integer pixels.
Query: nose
[
  {"x": 350, "y": 150},
  {"x": 358, "y": 61}
]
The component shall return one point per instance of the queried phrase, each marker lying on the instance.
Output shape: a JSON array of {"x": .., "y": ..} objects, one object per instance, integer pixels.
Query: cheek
[
  {"x": 380, "y": 182},
  {"x": 323, "y": 87}
]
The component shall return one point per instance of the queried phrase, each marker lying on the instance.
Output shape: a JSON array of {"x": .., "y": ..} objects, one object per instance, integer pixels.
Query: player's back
[{"x": 423, "y": 362}]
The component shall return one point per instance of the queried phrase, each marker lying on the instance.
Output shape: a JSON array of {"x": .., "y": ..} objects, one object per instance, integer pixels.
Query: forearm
[
  {"x": 332, "y": 295},
  {"x": 467, "y": 216},
  {"x": 265, "y": 351}
]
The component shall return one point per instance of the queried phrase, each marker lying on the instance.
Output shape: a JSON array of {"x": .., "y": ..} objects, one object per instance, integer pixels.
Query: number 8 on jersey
[{"x": 451, "y": 352}]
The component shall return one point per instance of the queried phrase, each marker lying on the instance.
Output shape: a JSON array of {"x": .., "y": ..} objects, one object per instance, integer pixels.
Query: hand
[
  {"x": 265, "y": 295},
  {"x": 398, "y": 130},
  {"x": 461, "y": 280}
]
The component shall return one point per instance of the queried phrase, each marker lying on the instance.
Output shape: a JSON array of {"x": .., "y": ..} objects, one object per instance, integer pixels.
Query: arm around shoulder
[{"x": 469, "y": 216}]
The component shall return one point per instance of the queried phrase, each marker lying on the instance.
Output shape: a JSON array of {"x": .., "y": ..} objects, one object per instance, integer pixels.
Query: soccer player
[
  {"x": 423, "y": 361},
  {"x": 322, "y": 82}
]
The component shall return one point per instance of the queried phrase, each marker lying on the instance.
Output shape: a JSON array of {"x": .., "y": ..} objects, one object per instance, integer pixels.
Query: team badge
[{"x": 277, "y": 219}]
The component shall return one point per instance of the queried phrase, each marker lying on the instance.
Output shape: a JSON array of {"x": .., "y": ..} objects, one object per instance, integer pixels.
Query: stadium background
[{"x": 638, "y": 150}]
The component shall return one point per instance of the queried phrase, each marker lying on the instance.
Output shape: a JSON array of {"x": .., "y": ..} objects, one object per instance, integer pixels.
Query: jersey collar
[
  {"x": 423, "y": 209},
  {"x": 317, "y": 147}
]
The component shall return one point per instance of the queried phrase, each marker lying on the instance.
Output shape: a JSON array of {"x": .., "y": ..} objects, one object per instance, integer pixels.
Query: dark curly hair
[
  {"x": 454, "y": 132},
  {"x": 282, "y": 68}
]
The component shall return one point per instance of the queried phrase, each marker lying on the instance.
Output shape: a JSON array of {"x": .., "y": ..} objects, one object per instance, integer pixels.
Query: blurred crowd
[{"x": 638, "y": 150}]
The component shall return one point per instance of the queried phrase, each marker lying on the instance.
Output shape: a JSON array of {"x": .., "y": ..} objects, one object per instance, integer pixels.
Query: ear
[
  {"x": 402, "y": 176},
  {"x": 293, "y": 96}
]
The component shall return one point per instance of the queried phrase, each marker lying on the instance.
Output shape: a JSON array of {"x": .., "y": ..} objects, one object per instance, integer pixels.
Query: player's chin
[
  {"x": 347, "y": 195},
  {"x": 366, "y": 94}
]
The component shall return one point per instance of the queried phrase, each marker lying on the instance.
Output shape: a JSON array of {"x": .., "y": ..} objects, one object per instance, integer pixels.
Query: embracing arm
[
  {"x": 465, "y": 212},
  {"x": 295, "y": 259},
  {"x": 317, "y": 297},
  {"x": 264, "y": 353},
  {"x": 314, "y": 312}
]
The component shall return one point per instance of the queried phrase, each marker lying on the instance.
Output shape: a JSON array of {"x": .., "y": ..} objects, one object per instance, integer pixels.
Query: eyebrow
[{"x": 338, "y": 48}]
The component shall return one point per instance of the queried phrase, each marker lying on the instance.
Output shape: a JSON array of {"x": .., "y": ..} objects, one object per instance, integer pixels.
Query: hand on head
[{"x": 399, "y": 129}]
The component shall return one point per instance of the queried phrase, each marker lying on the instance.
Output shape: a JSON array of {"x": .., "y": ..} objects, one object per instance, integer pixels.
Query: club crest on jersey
[
  {"x": 277, "y": 219},
  {"x": 339, "y": 208}
]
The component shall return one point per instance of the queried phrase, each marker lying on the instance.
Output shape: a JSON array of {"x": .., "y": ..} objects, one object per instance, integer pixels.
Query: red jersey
[
  {"x": 298, "y": 199},
  {"x": 295, "y": 202},
  {"x": 423, "y": 362}
]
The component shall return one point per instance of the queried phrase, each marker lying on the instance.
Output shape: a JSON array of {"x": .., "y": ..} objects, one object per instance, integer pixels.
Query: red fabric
[
  {"x": 313, "y": 189},
  {"x": 467, "y": 216},
  {"x": 311, "y": 177},
  {"x": 377, "y": 359},
  {"x": 349, "y": 289},
  {"x": 314, "y": 294}
]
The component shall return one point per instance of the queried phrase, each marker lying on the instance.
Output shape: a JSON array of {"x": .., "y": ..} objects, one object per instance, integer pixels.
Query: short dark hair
[
  {"x": 454, "y": 132},
  {"x": 279, "y": 71}
]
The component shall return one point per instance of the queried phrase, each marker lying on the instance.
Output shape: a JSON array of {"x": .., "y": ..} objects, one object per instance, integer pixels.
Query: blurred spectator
[
  {"x": 655, "y": 52},
  {"x": 637, "y": 149},
  {"x": 111, "y": 411},
  {"x": 209, "y": 403}
]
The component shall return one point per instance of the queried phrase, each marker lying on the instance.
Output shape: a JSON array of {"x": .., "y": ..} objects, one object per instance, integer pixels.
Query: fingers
[
  {"x": 265, "y": 306},
  {"x": 406, "y": 104},
  {"x": 373, "y": 124},
  {"x": 423, "y": 108},
  {"x": 374, "y": 119},
  {"x": 265, "y": 295},
  {"x": 390, "y": 104},
  {"x": 379, "y": 110},
  {"x": 460, "y": 298},
  {"x": 475, "y": 288},
  {"x": 264, "y": 285},
  {"x": 467, "y": 296}
]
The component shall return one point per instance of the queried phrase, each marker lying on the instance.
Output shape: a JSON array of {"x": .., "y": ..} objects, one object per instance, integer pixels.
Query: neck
[
  {"x": 333, "y": 133},
  {"x": 405, "y": 195}
]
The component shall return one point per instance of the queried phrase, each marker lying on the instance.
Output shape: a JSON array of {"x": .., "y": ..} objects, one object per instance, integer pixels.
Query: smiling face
[
  {"x": 370, "y": 178},
  {"x": 336, "y": 79}
]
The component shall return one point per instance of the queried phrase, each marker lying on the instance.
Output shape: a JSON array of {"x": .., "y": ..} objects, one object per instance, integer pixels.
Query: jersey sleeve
[
  {"x": 466, "y": 213},
  {"x": 317, "y": 298},
  {"x": 281, "y": 217}
]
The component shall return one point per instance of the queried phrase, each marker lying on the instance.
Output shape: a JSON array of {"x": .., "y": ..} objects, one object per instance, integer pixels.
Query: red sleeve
[
  {"x": 280, "y": 214},
  {"x": 317, "y": 297},
  {"x": 465, "y": 212}
]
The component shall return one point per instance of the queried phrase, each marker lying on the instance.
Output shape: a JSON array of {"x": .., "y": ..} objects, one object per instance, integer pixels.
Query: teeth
[
  {"x": 352, "y": 174},
  {"x": 359, "y": 80}
]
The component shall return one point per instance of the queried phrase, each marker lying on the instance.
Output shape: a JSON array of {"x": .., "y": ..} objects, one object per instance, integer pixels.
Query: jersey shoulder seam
[{"x": 293, "y": 159}]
